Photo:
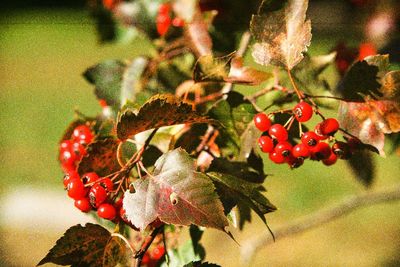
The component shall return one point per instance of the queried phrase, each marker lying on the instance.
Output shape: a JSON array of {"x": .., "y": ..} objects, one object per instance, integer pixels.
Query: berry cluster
[
  {"x": 164, "y": 20},
  {"x": 89, "y": 191},
  {"x": 313, "y": 144},
  {"x": 153, "y": 255}
]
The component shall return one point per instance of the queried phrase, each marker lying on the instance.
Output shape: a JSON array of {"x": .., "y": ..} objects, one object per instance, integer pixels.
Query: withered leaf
[
  {"x": 160, "y": 110},
  {"x": 391, "y": 85},
  {"x": 196, "y": 31},
  {"x": 244, "y": 74},
  {"x": 117, "y": 253},
  {"x": 176, "y": 194},
  {"x": 282, "y": 35},
  {"x": 101, "y": 157},
  {"x": 80, "y": 246}
]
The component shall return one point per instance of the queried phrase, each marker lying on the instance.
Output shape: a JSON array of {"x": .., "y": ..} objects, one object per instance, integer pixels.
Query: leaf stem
[{"x": 298, "y": 92}]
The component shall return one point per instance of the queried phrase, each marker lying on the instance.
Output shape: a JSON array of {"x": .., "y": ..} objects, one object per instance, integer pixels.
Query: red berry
[
  {"x": 300, "y": 151},
  {"x": 164, "y": 9},
  {"x": 310, "y": 139},
  {"x": 321, "y": 151},
  {"x": 106, "y": 211},
  {"x": 97, "y": 195},
  {"x": 107, "y": 184},
  {"x": 317, "y": 131},
  {"x": 342, "y": 150},
  {"x": 294, "y": 162},
  {"x": 278, "y": 132},
  {"x": 330, "y": 160},
  {"x": 283, "y": 148},
  {"x": 354, "y": 143},
  {"x": 365, "y": 50},
  {"x": 66, "y": 145},
  {"x": 146, "y": 258},
  {"x": 69, "y": 175},
  {"x": 89, "y": 178},
  {"x": 262, "y": 122},
  {"x": 67, "y": 158},
  {"x": 79, "y": 150},
  {"x": 157, "y": 253},
  {"x": 329, "y": 126},
  {"x": 83, "y": 204},
  {"x": 266, "y": 144},
  {"x": 178, "y": 22},
  {"x": 303, "y": 111},
  {"x": 76, "y": 189},
  {"x": 82, "y": 134},
  {"x": 163, "y": 22},
  {"x": 276, "y": 158}
]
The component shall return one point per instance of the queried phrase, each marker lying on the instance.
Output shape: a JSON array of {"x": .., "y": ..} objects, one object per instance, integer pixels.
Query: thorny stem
[
  {"x": 298, "y": 92},
  {"x": 146, "y": 244}
]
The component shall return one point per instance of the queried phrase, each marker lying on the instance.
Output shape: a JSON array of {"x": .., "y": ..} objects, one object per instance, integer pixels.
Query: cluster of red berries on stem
[
  {"x": 313, "y": 144},
  {"x": 89, "y": 191}
]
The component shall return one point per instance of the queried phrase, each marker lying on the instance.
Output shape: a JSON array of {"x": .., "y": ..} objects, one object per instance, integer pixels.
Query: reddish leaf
[
  {"x": 80, "y": 246},
  {"x": 369, "y": 121},
  {"x": 175, "y": 194},
  {"x": 283, "y": 35},
  {"x": 196, "y": 31},
  {"x": 158, "y": 111},
  {"x": 101, "y": 158}
]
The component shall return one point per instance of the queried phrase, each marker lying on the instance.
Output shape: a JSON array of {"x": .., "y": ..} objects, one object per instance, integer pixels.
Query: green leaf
[
  {"x": 282, "y": 35},
  {"x": 80, "y": 246},
  {"x": 117, "y": 82},
  {"x": 160, "y": 110},
  {"x": 101, "y": 157},
  {"x": 176, "y": 194},
  {"x": 363, "y": 166},
  {"x": 245, "y": 192}
]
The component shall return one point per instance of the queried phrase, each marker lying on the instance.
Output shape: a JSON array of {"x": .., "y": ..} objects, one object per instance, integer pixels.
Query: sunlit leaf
[
  {"x": 282, "y": 35},
  {"x": 158, "y": 111},
  {"x": 391, "y": 85},
  {"x": 80, "y": 246},
  {"x": 176, "y": 194},
  {"x": 245, "y": 74}
]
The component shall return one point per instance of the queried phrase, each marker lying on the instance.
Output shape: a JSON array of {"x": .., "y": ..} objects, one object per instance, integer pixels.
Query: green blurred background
[{"x": 43, "y": 53}]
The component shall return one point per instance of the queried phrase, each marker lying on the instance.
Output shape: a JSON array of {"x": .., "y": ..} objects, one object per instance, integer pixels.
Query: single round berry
[
  {"x": 321, "y": 151},
  {"x": 69, "y": 175},
  {"x": 97, "y": 195},
  {"x": 330, "y": 160},
  {"x": 329, "y": 126},
  {"x": 164, "y": 8},
  {"x": 89, "y": 178},
  {"x": 66, "y": 145},
  {"x": 107, "y": 184},
  {"x": 303, "y": 111},
  {"x": 283, "y": 148},
  {"x": 163, "y": 23},
  {"x": 262, "y": 122},
  {"x": 276, "y": 158},
  {"x": 83, "y": 204},
  {"x": 294, "y": 162},
  {"x": 146, "y": 259},
  {"x": 341, "y": 149},
  {"x": 106, "y": 211},
  {"x": 67, "y": 158},
  {"x": 266, "y": 144},
  {"x": 317, "y": 131},
  {"x": 310, "y": 139},
  {"x": 76, "y": 189},
  {"x": 82, "y": 134},
  {"x": 178, "y": 22},
  {"x": 157, "y": 253},
  {"x": 300, "y": 151},
  {"x": 278, "y": 132}
]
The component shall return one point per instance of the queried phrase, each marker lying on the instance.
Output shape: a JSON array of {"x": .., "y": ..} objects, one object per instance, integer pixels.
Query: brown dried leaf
[
  {"x": 196, "y": 31},
  {"x": 282, "y": 36},
  {"x": 101, "y": 158},
  {"x": 245, "y": 74},
  {"x": 159, "y": 111},
  {"x": 391, "y": 85}
]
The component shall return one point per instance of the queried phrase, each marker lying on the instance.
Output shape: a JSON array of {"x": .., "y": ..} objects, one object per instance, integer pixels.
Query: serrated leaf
[
  {"x": 101, "y": 157},
  {"x": 282, "y": 35},
  {"x": 176, "y": 194},
  {"x": 245, "y": 192},
  {"x": 79, "y": 246},
  {"x": 117, "y": 253},
  {"x": 363, "y": 167},
  {"x": 159, "y": 111}
]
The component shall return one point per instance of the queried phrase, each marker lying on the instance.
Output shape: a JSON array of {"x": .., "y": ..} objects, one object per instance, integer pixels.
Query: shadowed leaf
[
  {"x": 101, "y": 158},
  {"x": 282, "y": 35},
  {"x": 79, "y": 246},
  {"x": 117, "y": 253},
  {"x": 158, "y": 111},
  {"x": 175, "y": 194},
  {"x": 363, "y": 167}
]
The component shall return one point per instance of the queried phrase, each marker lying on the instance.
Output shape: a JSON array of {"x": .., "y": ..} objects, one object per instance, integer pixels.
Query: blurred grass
[{"x": 42, "y": 56}]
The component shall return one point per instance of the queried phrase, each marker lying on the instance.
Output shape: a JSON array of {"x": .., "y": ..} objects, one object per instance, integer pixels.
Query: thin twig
[
  {"x": 298, "y": 92},
  {"x": 318, "y": 218},
  {"x": 146, "y": 244}
]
